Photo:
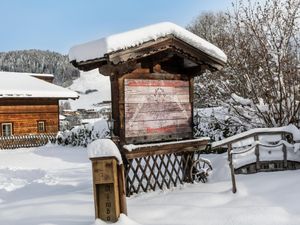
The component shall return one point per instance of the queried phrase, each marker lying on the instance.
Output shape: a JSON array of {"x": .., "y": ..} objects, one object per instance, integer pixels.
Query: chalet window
[
  {"x": 41, "y": 126},
  {"x": 6, "y": 129}
]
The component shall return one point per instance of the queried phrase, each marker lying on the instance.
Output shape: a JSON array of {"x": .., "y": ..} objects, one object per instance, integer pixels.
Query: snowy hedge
[
  {"x": 216, "y": 123},
  {"x": 84, "y": 134}
]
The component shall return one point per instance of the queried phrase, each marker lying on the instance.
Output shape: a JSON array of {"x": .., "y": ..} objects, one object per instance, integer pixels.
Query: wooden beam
[
  {"x": 143, "y": 50},
  {"x": 120, "y": 69},
  {"x": 165, "y": 149},
  {"x": 242, "y": 137}
]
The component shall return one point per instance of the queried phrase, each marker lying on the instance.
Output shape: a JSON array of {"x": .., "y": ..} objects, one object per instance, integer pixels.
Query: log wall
[{"x": 24, "y": 115}]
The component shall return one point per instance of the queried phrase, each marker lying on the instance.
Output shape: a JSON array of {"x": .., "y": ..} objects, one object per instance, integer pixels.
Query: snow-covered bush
[
  {"x": 216, "y": 123},
  {"x": 84, "y": 134}
]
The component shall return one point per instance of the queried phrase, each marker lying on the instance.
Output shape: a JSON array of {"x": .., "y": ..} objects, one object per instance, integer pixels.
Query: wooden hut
[
  {"x": 29, "y": 104},
  {"x": 152, "y": 72}
]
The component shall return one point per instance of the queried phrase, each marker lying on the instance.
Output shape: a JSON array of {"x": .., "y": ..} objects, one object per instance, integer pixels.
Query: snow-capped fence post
[{"x": 108, "y": 180}]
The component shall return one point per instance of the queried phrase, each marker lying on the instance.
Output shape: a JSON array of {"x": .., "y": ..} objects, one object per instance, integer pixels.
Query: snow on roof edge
[
  {"x": 30, "y": 74},
  {"x": 41, "y": 74},
  {"x": 26, "y": 85},
  {"x": 98, "y": 48}
]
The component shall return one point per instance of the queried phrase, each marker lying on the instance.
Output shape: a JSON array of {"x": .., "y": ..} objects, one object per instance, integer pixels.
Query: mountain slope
[{"x": 92, "y": 88}]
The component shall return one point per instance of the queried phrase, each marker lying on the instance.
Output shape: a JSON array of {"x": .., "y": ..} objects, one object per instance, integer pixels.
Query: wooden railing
[
  {"x": 26, "y": 141},
  {"x": 160, "y": 166},
  {"x": 250, "y": 141}
]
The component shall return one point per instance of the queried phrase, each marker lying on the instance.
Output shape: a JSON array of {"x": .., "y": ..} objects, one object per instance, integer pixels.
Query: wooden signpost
[
  {"x": 108, "y": 189},
  {"x": 152, "y": 90}
]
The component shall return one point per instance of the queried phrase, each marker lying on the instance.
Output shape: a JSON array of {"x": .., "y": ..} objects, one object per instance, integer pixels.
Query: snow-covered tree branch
[{"x": 261, "y": 80}]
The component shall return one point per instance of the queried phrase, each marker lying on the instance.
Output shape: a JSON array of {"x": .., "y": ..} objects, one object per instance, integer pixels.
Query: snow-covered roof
[
  {"x": 25, "y": 85},
  {"x": 98, "y": 48}
]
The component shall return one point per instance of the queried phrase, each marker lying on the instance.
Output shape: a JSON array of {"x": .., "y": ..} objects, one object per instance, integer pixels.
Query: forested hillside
[{"x": 38, "y": 61}]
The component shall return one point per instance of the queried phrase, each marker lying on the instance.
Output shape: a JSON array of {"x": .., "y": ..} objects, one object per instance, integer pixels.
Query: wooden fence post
[
  {"x": 284, "y": 156},
  {"x": 229, "y": 148},
  {"x": 257, "y": 153},
  {"x": 284, "y": 150},
  {"x": 232, "y": 174}
]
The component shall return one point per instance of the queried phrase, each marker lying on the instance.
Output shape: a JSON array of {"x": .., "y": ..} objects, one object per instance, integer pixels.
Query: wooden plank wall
[
  {"x": 157, "y": 109},
  {"x": 24, "y": 114}
]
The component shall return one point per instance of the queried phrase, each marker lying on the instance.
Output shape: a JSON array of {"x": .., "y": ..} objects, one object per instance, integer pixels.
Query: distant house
[{"x": 29, "y": 103}]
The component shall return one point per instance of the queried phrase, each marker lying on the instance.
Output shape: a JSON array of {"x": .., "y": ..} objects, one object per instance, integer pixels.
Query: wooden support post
[
  {"x": 257, "y": 153},
  {"x": 232, "y": 174},
  {"x": 122, "y": 189},
  {"x": 187, "y": 158}
]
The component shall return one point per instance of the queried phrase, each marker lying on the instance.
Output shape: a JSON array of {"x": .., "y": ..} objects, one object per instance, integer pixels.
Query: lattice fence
[
  {"x": 26, "y": 141},
  {"x": 158, "y": 171}
]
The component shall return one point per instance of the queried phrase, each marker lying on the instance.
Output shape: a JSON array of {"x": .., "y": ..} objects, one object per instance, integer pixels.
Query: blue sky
[{"x": 57, "y": 25}]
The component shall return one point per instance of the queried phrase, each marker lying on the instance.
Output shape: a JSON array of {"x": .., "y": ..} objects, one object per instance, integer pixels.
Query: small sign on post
[
  {"x": 108, "y": 180},
  {"x": 106, "y": 188}
]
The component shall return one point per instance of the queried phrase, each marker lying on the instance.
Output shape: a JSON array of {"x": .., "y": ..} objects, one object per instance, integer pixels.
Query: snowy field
[{"x": 52, "y": 185}]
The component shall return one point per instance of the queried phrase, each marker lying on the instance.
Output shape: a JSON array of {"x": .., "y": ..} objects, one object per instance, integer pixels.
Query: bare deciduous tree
[{"x": 261, "y": 81}]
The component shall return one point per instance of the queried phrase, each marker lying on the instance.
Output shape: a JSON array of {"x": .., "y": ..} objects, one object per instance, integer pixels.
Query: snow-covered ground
[
  {"x": 52, "y": 185},
  {"x": 91, "y": 80}
]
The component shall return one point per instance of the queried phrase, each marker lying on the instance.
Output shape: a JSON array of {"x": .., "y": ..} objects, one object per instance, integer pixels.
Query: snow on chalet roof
[
  {"x": 25, "y": 85},
  {"x": 39, "y": 74},
  {"x": 98, "y": 48}
]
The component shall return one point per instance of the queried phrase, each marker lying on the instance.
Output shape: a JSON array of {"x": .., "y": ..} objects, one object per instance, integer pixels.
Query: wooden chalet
[
  {"x": 29, "y": 104},
  {"x": 152, "y": 72}
]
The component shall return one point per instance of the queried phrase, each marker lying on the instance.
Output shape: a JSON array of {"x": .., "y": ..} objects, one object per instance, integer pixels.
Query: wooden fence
[
  {"x": 26, "y": 141},
  {"x": 162, "y": 167},
  {"x": 259, "y": 150},
  {"x": 158, "y": 172}
]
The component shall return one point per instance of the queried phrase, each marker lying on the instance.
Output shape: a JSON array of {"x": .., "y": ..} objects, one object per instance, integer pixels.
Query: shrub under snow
[
  {"x": 84, "y": 134},
  {"x": 216, "y": 123}
]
